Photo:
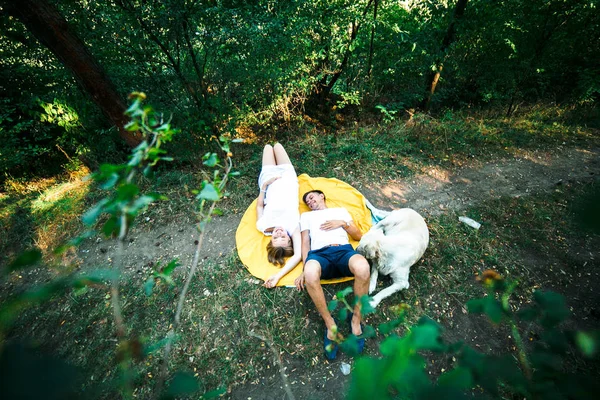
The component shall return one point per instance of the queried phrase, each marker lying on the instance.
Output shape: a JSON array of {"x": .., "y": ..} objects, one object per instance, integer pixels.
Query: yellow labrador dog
[{"x": 392, "y": 246}]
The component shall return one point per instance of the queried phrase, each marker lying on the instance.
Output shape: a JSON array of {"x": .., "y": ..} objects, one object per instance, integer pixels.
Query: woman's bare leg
[
  {"x": 281, "y": 156},
  {"x": 268, "y": 156}
]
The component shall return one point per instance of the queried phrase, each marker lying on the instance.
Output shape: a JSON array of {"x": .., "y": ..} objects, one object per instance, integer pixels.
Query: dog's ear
[{"x": 377, "y": 249}]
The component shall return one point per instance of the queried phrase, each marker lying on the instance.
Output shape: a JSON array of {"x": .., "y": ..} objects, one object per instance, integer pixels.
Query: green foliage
[
  {"x": 123, "y": 203},
  {"x": 32, "y": 135},
  {"x": 222, "y": 64},
  {"x": 539, "y": 373}
]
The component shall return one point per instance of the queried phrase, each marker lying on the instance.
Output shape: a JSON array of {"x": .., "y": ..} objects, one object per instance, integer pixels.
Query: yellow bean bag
[{"x": 251, "y": 244}]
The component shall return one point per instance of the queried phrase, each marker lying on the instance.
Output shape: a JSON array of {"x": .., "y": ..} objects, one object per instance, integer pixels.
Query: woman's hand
[
  {"x": 332, "y": 224},
  {"x": 272, "y": 281},
  {"x": 299, "y": 282},
  {"x": 267, "y": 183}
]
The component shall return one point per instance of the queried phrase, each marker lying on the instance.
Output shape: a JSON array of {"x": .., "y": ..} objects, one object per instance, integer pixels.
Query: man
[{"x": 327, "y": 254}]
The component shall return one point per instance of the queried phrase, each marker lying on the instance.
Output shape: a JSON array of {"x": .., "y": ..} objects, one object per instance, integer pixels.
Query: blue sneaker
[
  {"x": 330, "y": 347},
  {"x": 360, "y": 340}
]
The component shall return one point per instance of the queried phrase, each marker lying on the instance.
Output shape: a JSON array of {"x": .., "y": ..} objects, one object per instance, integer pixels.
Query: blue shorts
[{"x": 334, "y": 260}]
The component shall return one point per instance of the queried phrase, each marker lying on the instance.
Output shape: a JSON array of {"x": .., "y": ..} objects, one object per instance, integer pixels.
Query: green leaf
[
  {"x": 140, "y": 203},
  {"x": 368, "y": 377},
  {"x": 183, "y": 383},
  {"x": 210, "y": 159},
  {"x": 426, "y": 337},
  {"x": 209, "y": 193},
  {"x": 160, "y": 344},
  {"x": 387, "y": 327},
  {"x": 127, "y": 191},
  {"x": 368, "y": 331},
  {"x": 132, "y": 126},
  {"x": 26, "y": 259},
  {"x": 110, "y": 181},
  {"x": 111, "y": 227},
  {"x": 475, "y": 306},
  {"x": 81, "y": 291},
  {"x": 213, "y": 394},
  {"x": 91, "y": 215},
  {"x": 343, "y": 314},
  {"x": 171, "y": 267},
  {"x": 553, "y": 307},
  {"x": 217, "y": 211},
  {"x": 332, "y": 305},
  {"x": 586, "y": 343},
  {"x": 393, "y": 345},
  {"x": 97, "y": 276},
  {"x": 458, "y": 378},
  {"x": 365, "y": 305},
  {"x": 527, "y": 314},
  {"x": 350, "y": 345},
  {"x": 135, "y": 105},
  {"x": 493, "y": 309},
  {"x": 343, "y": 293},
  {"x": 149, "y": 286}
]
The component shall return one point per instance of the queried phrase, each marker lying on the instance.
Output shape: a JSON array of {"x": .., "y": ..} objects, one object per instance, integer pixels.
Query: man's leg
[
  {"x": 312, "y": 280},
  {"x": 359, "y": 266}
]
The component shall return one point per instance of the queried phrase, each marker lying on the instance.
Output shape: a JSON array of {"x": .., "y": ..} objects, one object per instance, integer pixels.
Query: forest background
[{"x": 388, "y": 86}]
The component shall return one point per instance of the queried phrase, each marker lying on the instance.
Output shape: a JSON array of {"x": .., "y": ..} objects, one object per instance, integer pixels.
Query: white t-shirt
[
  {"x": 319, "y": 238},
  {"x": 281, "y": 199}
]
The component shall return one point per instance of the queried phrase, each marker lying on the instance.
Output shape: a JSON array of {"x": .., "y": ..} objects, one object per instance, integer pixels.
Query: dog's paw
[
  {"x": 374, "y": 302},
  {"x": 372, "y": 287}
]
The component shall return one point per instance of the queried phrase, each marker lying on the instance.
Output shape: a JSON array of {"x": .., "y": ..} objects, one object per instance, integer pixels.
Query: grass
[
  {"x": 214, "y": 341},
  {"x": 530, "y": 239}
]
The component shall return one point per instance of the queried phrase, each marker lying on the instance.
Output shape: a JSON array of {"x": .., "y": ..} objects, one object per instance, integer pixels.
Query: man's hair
[
  {"x": 277, "y": 255},
  {"x": 313, "y": 191}
]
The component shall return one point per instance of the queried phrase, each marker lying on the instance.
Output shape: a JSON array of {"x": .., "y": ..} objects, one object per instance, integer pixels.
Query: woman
[{"x": 277, "y": 212}]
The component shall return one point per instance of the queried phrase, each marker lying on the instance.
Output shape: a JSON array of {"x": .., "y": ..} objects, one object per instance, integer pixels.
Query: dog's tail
[{"x": 376, "y": 214}]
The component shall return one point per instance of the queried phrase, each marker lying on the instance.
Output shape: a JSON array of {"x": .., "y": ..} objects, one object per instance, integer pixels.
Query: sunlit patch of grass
[
  {"x": 41, "y": 213},
  {"x": 56, "y": 213}
]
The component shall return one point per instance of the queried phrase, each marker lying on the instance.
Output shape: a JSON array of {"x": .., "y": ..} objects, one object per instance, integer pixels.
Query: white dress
[{"x": 281, "y": 199}]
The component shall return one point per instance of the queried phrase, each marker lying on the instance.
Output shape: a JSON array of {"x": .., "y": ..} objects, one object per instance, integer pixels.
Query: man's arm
[
  {"x": 352, "y": 230},
  {"x": 348, "y": 226}
]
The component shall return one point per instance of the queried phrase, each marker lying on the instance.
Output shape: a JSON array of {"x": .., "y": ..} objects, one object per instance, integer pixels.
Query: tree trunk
[
  {"x": 325, "y": 89},
  {"x": 52, "y": 30},
  {"x": 370, "y": 63},
  {"x": 434, "y": 76}
]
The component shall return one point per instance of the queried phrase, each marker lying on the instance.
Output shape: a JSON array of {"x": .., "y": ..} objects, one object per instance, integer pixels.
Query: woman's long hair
[{"x": 277, "y": 255}]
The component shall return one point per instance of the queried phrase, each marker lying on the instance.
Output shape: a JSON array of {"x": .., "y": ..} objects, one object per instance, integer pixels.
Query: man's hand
[
  {"x": 299, "y": 282},
  {"x": 332, "y": 224},
  {"x": 272, "y": 281}
]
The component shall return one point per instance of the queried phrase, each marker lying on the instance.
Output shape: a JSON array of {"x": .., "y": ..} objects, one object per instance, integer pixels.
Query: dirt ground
[{"x": 432, "y": 192}]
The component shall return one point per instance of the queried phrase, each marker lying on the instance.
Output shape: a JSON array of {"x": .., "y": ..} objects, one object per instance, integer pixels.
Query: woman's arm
[
  {"x": 260, "y": 203},
  {"x": 290, "y": 263}
]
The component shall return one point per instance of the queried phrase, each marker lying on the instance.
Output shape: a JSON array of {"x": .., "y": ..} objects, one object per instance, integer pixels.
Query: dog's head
[{"x": 369, "y": 244}]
